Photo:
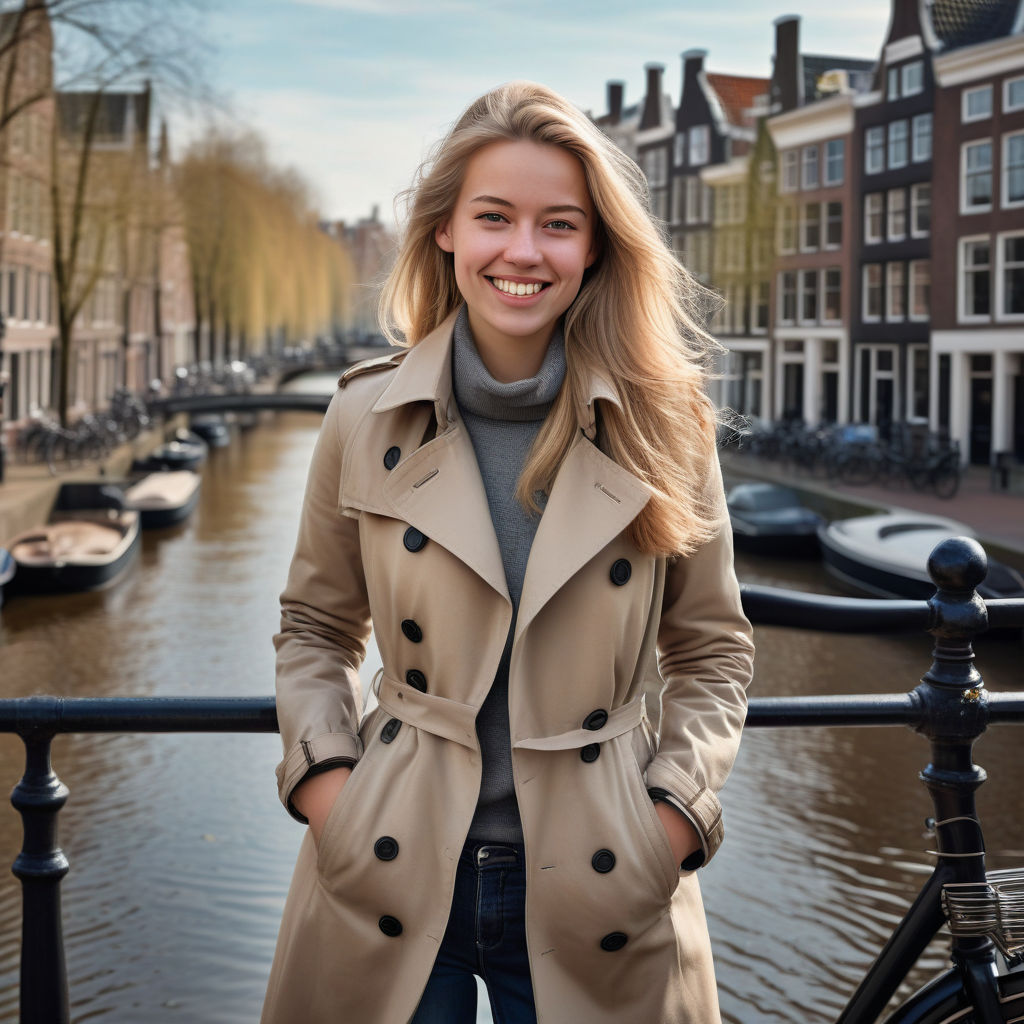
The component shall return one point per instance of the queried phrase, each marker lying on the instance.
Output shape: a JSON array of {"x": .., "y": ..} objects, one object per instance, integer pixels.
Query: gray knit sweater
[{"x": 502, "y": 421}]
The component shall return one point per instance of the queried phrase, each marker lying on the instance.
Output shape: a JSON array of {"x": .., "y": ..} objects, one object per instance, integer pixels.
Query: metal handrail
[{"x": 950, "y": 705}]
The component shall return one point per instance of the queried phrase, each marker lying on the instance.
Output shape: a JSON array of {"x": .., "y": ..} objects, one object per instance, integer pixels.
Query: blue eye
[
  {"x": 491, "y": 218},
  {"x": 562, "y": 225}
]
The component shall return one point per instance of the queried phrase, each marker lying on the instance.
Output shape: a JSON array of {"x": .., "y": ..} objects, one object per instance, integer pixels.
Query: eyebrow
[{"x": 496, "y": 201}]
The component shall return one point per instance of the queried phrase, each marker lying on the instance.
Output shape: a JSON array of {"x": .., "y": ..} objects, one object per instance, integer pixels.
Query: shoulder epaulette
[{"x": 388, "y": 362}]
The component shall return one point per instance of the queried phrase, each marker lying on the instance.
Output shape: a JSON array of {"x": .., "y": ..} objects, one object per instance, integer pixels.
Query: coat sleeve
[
  {"x": 705, "y": 656},
  {"x": 325, "y": 624}
]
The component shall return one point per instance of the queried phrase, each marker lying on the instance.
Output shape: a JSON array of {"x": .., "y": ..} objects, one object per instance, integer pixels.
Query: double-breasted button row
[{"x": 594, "y": 721}]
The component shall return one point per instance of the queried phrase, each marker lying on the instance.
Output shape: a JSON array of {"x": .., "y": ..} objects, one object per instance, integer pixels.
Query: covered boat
[
  {"x": 163, "y": 499},
  {"x": 770, "y": 520},
  {"x": 212, "y": 428},
  {"x": 90, "y": 540},
  {"x": 184, "y": 450},
  {"x": 887, "y": 555}
]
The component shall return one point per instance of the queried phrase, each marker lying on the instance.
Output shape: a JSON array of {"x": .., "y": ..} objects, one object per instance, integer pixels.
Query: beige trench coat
[{"x": 362, "y": 924}]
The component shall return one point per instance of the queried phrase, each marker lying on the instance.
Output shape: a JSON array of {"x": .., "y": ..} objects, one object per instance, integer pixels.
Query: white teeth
[{"x": 516, "y": 287}]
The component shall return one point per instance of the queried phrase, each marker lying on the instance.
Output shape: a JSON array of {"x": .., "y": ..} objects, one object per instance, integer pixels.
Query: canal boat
[
  {"x": 769, "y": 519},
  {"x": 163, "y": 499},
  {"x": 7, "y": 569},
  {"x": 90, "y": 540},
  {"x": 212, "y": 428},
  {"x": 184, "y": 450},
  {"x": 886, "y": 555}
]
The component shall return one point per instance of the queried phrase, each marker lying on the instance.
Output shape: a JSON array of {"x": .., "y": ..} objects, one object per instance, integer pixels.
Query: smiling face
[{"x": 522, "y": 232}]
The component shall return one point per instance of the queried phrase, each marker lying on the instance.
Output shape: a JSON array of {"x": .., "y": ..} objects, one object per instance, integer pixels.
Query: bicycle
[{"x": 983, "y": 911}]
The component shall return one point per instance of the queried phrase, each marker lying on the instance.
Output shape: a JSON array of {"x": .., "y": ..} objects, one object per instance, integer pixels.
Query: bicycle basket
[{"x": 994, "y": 908}]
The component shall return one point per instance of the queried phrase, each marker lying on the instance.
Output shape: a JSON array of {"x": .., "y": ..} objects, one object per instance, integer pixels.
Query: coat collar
[{"x": 425, "y": 375}]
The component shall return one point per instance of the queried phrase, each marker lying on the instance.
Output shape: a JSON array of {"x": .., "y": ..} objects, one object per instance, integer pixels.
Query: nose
[{"x": 522, "y": 247}]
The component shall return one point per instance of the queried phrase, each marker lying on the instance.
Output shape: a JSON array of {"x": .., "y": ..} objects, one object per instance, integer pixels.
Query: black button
[
  {"x": 590, "y": 753},
  {"x": 416, "y": 679},
  {"x": 390, "y": 730},
  {"x": 412, "y": 631},
  {"x": 612, "y": 942},
  {"x": 414, "y": 540},
  {"x": 596, "y": 720},
  {"x": 391, "y": 457},
  {"x": 391, "y": 927},
  {"x": 620, "y": 572},
  {"x": 603, "y": 861},
  {"x": 386, "y": 848}
]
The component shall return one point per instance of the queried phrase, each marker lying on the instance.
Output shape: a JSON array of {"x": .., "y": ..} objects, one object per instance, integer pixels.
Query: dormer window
[{"x": 700, "y": 144}]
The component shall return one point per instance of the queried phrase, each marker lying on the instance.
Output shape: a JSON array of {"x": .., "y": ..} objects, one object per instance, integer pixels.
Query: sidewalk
[{"x": 996, "y": 517}]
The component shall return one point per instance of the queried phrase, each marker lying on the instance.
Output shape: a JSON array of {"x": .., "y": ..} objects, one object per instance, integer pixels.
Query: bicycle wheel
[
  {"x": 946, "y": 479},
  {"x": 944, "y": 1001}
]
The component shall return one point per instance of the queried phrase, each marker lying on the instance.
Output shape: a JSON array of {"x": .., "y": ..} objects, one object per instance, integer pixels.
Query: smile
[{"x": 517, "y": 287}]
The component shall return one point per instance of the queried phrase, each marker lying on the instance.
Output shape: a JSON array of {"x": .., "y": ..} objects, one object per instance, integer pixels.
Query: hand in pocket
[{"x": 315, "y": 797}]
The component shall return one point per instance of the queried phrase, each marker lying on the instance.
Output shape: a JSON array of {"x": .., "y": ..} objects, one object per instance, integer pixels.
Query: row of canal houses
[{"x": 862, "y": 220}]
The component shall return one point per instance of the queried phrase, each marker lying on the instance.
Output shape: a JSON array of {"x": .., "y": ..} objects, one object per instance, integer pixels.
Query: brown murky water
[{"x": 181, "y": 855}]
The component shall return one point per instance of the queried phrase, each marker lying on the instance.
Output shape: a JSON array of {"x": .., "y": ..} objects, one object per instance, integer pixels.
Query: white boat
[
  {"x": 887, "y": 555},
  {"x": 163, "y": 499}
]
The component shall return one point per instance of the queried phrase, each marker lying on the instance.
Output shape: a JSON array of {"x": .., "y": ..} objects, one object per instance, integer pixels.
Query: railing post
[{"x": 40, "y": 866}]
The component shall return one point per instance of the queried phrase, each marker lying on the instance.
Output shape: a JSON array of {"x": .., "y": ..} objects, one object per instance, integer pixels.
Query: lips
[{"x": 517, "y": 287}]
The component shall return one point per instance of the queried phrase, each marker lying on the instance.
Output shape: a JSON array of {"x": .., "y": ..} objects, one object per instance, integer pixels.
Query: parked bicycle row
[{"x": 856, "y": 453}]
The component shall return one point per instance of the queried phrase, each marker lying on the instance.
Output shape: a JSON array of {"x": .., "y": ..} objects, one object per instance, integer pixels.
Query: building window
[
  {"x": 874, "y": 150},
  {"x": 922, "y": 130},
  {"x": 896, "y": 227},
  {"x": 833, "y": 295},
  {"x": 810, "y": 227},
  {"x": 655, "y": 165},
  {"x": 913, "y": 78},
  {"x": 835, "y": 161},
  {"x": 917, "y": 359},
  {"x": 920, "y": 288},
  {"x": 920, "y": 209},
  {"x": 659, "y": 203},
  {"x": 700, "y": 144},
  {"x": 895, "y": 291},
  {"x": 892, "y": 91},
  {"x": 977, "y": 177},
  {"x": 787, "y": 229},
  {"x": 872, "y": 291},
  {"x": 759, "y": 319},
  {"x": 1013, "y": 169},
  {"x": 897, "y": 144},
  {"x": 787, "y": 291},
  {"x": 692, "y": 212},
  {"x": 808, "y": 296},
  {"x": 1013, "y": 94},
  {"x": 809, "y": 177},
  {"x": 976, "y": 299},
  {"x": 680, "y": 149},
  {"x": 1012, "y": 276},
  {"x": 833, "y": 225},
  {"x": 976, "y": 103},
  {"x": 873, "y": 217},
  {"x": 790, "y": 171}
]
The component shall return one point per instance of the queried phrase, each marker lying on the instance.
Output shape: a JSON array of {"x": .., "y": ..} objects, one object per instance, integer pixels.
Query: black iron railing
[{"x": 950, "y": 706}]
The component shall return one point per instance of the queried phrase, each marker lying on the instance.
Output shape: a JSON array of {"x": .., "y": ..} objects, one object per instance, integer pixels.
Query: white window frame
[
  {"x": 787, "y": 212},
  {"x": 915, "y": 190},
  {"x": 691, "y": 204},
  {"x": 999, "y": 292},
  {"x": 823, "y": 292},
  {"x": 1004, "y": 172},
  {"x": 804, "y": 247},
  {"x": 825, "y": 243},
  {"x": 891, "y": 207},
  {"x": 1008, "y": 105},
  {"x": 914, "y": 65},
  {"x": 913, "y": 269},
  {"x": 831, "y": 158},
  {"x": 912, "y": 351},
  {"x": 679, "y": 149},
  {"x": 781, "y": 318},
  {"x": 961, "y": 281},
  {"x": 755, "y": 301},
  {"x": 700, "y": 145},
  {"x": 965, "y": 101},
  {"x": 789, "y": 173},
  {"x": 815, "y": 276},
  {"x": 917, "y": 155},
  {"x": 877, "y": 131},
  {"x": 964, "y": 149},
  {"x": 891, "y": 139},
  {"x": 810, "y": 161},
  {"x": 872, "y": 318},
  {"x": 870, "y": 239},
  {"x": 892, "y": 84},
  {"x": 890, "y": 291}
]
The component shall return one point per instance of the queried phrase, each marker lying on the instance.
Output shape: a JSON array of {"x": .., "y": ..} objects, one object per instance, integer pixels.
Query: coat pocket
[{"x": 651, "y": 825}]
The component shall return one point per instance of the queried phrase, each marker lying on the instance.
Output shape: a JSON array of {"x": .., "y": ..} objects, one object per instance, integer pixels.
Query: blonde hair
[{"x": 636, "y": 319}]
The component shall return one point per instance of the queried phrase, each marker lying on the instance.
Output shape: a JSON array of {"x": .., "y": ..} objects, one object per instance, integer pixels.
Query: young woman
[{"x": 527, "y": 505}]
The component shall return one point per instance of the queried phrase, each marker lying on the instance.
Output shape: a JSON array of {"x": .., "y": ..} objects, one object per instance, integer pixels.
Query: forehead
[{"x": 521, "y": 171}]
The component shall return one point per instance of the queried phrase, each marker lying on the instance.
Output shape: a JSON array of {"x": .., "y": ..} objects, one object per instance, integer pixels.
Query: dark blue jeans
[{"x": 486, "y": 936}]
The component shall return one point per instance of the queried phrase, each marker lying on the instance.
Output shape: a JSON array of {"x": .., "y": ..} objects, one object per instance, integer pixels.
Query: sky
[{"x": 353, "y": 93}]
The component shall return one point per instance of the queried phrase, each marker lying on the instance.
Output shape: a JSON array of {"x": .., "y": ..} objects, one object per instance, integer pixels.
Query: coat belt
[{"x": 455, "y": 721}]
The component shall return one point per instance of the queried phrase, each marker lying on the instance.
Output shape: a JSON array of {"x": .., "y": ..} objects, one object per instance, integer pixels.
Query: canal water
[{"x": 181, "y": 854}]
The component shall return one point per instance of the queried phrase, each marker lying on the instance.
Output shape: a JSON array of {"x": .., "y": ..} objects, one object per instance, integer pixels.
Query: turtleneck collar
[{"x": 477, "y": 392}]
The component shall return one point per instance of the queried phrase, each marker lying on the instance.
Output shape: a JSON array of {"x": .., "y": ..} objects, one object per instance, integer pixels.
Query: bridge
[{"x": 275, "y": 401}]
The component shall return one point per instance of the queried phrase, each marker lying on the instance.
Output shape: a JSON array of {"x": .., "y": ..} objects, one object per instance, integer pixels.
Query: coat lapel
[{"x": 592, "y": 500}]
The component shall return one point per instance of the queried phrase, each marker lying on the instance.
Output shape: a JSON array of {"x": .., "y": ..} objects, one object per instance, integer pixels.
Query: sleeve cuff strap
[
  {"x": 700, "y": 805},
  {"x": 309, "y": 756}
]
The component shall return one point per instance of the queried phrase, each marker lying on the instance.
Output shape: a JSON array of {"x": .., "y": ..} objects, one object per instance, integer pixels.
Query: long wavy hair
[{"x": 637, "y": 319}]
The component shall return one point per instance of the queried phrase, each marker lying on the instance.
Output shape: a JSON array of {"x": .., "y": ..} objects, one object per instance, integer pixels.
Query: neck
[{"x": 506, "y": 359}]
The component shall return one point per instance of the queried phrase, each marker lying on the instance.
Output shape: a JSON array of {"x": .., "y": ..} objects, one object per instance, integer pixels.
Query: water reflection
[{"x": 181, "y": 854}]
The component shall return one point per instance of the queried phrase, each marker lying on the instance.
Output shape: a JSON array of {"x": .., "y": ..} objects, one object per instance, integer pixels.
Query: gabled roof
[
  {"x": 966, "y": 22},
  {"x": 736, "y": 94}
]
